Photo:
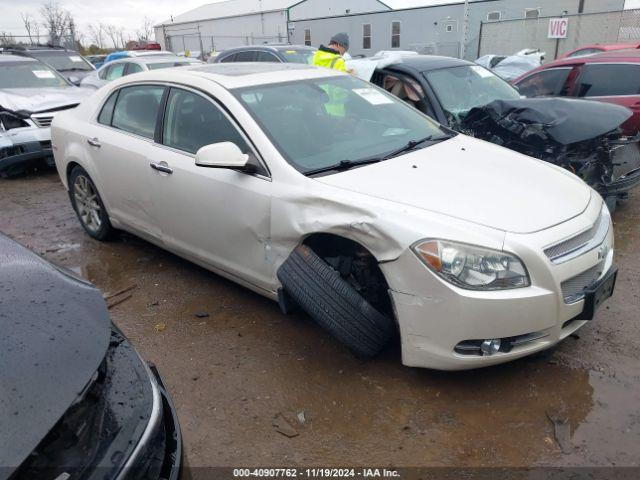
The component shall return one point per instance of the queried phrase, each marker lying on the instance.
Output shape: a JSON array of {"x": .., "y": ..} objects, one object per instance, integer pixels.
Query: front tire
[
  {"x": 334, "y": 304},
  {"x": 88, "y": 205}
]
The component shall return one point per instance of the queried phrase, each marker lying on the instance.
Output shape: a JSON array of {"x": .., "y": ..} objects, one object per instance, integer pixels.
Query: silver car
[
  {"x": 31, "y": 93},
  {"x": 127, "y": 66}
]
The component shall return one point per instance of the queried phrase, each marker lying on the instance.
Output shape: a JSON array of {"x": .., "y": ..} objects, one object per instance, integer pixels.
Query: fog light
[{"x": 489, "y": 347}]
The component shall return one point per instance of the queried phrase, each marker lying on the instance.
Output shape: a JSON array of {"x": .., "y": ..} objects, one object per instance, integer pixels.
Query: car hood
[
  {"x": 55, "y": 333},
  {"x": 33, "y": 100},
  {"x": 476, "y": 181},
  {"x": 564, "y": 120}
]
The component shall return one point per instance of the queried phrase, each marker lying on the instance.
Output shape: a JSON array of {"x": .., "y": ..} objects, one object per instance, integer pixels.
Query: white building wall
[
  {"x": 223, "y": 33},
  {"x": 436, "y": 29}
]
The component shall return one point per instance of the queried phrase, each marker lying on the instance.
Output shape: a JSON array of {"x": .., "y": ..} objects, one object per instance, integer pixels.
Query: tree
[
  {"x": 124, "y": 37},
  {"x": 7, "y": 39},
  {"x": 56, "y": 20},
  {"x": 31, "y": 26},
  {"x": 144, "y": 34},
  {"x": 112, "y": 32},
  {"x": 96, "y": 34}
]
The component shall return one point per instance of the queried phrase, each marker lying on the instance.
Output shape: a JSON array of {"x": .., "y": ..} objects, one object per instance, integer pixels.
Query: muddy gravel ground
[{"x": 240, "y": 363}]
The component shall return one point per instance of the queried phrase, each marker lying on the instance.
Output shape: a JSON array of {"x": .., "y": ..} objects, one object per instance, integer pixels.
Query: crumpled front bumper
[{"x": 24, "y": 148}]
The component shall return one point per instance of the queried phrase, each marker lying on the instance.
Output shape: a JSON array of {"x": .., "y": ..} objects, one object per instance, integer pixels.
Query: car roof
[
  {"x": 267, "y": 48},
  {"x": 609, "y": 46},
  {"x": 627, "y": 55},
  {"x": 425, "y": 63},
  {"x": 241, "y": 74},
  {"x": 7, "y": 57}
]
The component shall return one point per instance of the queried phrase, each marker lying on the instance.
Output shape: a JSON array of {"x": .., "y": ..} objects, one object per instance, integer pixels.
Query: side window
[
  {"x": 247, "y": 56},
  {"x": 192, "y": 121},
  {"x": 103, "y": 73},
  {"x": 229, "y": 58},
  {"x": 546, "y": 83},
  {"x": 266, "y": 57},
  {"x": 106, "y": 114},
  {"x": 134, "y": 68},
  {"x": 115, "y": 71},
  {"x": 609, "y": 80},
  {"x": 137, "y": 109},
  {"x": 409, "y": 91}
]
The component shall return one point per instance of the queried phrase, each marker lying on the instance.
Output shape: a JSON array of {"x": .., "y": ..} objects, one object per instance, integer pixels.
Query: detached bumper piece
[
  {"x": 16, "y": 159},
  {"x": 122, "y": 426}
]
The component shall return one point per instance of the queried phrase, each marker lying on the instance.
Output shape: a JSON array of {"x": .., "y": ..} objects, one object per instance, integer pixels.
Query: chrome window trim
[{"x": 94, "y": 121}]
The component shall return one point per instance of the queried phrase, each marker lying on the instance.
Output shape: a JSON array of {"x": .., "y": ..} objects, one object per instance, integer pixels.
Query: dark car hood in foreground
[
  {"x": 55, "y": 333},
  {"x": 564, "y": 120}
]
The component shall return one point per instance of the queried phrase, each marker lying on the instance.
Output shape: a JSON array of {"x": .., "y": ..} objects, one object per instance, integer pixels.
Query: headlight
[{"x": 470, "y": 267}]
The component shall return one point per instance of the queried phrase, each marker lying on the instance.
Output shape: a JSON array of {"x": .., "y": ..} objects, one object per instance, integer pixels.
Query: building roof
[{"x": 230, "y": 8}]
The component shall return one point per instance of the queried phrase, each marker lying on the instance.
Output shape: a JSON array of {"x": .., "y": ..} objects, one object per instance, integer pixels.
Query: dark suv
[
  {"x": 267, "y": 53},
  {"x": 69, "y": 63}
]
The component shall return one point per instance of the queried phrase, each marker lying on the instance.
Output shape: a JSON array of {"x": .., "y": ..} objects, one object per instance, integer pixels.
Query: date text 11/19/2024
[{"x": 315, "y": 473}]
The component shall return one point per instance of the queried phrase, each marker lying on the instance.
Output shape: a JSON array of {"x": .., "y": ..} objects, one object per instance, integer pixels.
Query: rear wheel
[
  {"x": 334, "y": 303},
  {"x": 88, "y": 205}
]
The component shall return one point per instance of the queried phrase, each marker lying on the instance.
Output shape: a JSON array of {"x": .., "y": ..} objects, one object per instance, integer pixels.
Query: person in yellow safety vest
[{"x": 331, "y": 57}]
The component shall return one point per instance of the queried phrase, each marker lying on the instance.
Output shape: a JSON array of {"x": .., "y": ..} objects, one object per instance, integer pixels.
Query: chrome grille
[
  {"x": 42, "y": 120},
  {"x": 582, "y": 242},
  {"x": 573, "y": 288}
]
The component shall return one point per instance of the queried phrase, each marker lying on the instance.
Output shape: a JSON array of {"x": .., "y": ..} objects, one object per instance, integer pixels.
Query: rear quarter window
[
  {"x": 609, "y": 80},
  {"x": 546, "y": 83},
  {"x": 106, "y": 114}
]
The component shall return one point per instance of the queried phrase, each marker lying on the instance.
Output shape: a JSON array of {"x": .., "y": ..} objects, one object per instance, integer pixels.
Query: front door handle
[
  {"x": 94, "y": 142},
  {"x": 161, "y": 168}
]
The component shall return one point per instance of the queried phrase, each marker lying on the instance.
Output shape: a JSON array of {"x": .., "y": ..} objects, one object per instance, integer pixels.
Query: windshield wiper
[
  {"x": 74, "y": 69},
  {"x": 408, "y": 147},
  {"x": 343, "y": 165}
]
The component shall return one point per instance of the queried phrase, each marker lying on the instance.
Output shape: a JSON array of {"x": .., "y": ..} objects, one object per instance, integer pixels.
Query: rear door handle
[
  {"x": 161, "y": 168},
  {"x": 94, "y": 142}
]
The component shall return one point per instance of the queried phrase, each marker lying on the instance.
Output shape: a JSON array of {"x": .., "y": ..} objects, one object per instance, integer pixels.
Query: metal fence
[
  {"x": 210, "y": 43},
  {"x": 509, "y": 36}
]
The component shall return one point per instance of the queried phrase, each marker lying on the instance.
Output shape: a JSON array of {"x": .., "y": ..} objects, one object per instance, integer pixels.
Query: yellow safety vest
[
  {"x": 335, "y": 107},
  {"x": 329, "y": 60}
]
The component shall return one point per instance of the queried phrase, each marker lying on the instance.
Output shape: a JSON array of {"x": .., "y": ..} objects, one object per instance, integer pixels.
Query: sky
[{"x": 129, "y": 14}]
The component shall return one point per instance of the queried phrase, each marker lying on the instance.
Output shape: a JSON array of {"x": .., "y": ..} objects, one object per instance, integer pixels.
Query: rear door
[
  {"x": 216, "y": 216},
  {"x": 613, "y": 83},
  {"x": 119, "y": 153}
]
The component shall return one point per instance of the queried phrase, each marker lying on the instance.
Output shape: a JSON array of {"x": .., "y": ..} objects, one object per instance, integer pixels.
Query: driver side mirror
[{"x": 223, "y": 155}]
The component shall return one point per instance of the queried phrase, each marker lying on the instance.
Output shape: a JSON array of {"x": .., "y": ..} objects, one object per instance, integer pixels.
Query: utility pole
[{"x": 465, "y": 29}]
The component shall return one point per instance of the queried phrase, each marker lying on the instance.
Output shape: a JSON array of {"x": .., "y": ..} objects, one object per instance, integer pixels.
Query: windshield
[
  {"x": 156, "y": 66},
  {"x": 322, "y": 122},
  {"x": 29, "y": 75},
  {"x": 63, "y": 61},
  {"x": 459, "y": 89},
  {"x": 299, "y": 56}
]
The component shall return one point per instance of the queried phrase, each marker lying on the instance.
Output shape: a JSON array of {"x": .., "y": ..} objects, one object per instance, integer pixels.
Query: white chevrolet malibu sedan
[{"x": 331, "y": 196}]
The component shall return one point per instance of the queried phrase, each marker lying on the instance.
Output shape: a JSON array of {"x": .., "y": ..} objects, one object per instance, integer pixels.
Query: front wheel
[
  {"x": 88, "y": 205},
  {"x": 334, "y": 304}
]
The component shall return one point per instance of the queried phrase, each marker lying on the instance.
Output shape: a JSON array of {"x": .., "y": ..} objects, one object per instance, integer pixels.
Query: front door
[{"x": 218, "y": 216}]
